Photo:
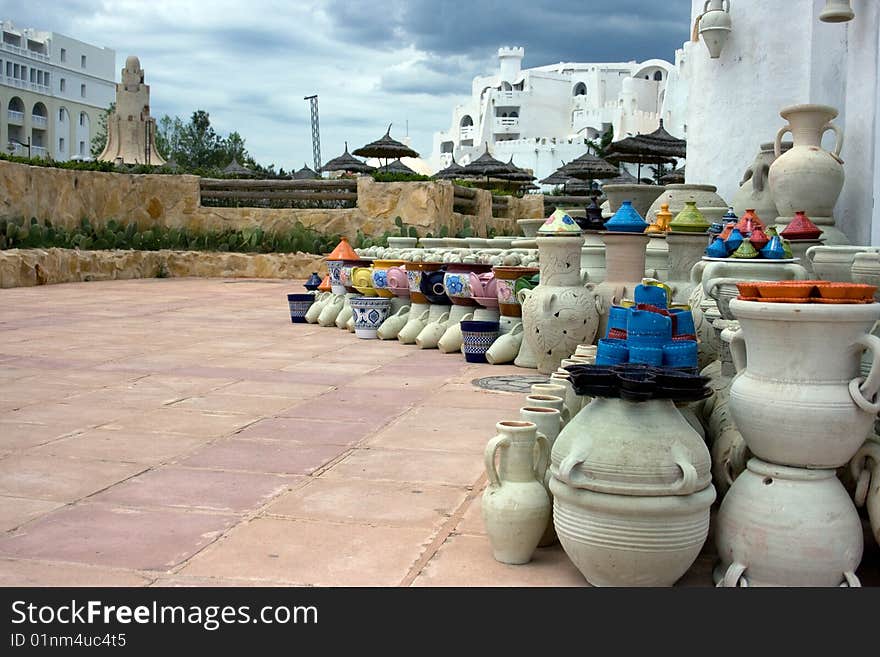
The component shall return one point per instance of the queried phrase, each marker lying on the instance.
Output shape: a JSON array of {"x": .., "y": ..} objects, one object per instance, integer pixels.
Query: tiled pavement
[{"x": 183, "y": 432}]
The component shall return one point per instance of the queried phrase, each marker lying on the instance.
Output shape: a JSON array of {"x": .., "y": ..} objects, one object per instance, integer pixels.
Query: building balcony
[
  {"x": 39, "y": 122},
  {"x": 508, "y": 98},
  {"x": 39, "y": 151},
  {"x": 505, "y": 125},
  {"x": 466, "y": 132},
  {"x": 15, "y": 118},
  {"x": 24, "y": 84},
  {"x": 24, "y": 52}
]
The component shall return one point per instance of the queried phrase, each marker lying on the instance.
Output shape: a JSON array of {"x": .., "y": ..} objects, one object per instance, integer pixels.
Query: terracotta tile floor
[{"x": 183, "y": 432}]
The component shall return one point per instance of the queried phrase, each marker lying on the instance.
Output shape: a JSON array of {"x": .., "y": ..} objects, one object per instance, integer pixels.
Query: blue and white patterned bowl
[
  {"x": 299, "y": 305},
  {"x": 477, "y": 337},
  {"x": 369, "y": 313}
]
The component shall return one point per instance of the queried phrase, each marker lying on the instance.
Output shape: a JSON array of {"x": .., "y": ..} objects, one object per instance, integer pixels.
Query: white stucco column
[{"x": 780, "y": 54}]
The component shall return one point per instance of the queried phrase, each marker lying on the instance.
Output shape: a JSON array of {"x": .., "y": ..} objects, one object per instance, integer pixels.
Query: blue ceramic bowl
[
  {"x": 684, "y": 322},
  {"x": 477, "y": 337},
  {"x": 646, "y": 355},
  {"x": 369, "y": 313},
  {"x": 648, "y": 329},
  {"x": 431, "y": 285},
  {"x": 299, "y": 306},
  {"x": 617, "y": 316},
  {"x": 610, "y": 351},
  {"x": 652, "y": 295}
]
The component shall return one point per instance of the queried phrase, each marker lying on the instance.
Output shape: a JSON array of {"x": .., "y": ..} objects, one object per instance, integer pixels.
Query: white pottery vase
[
  {"x": 715, "y": 26},
  {"x": 549, "y": 423},
  {"x": 754, "y": 190},
  {"x": 642, "y": 196},
  {"x": 331, "y": 310},
  {"x": 657, "y": 257},
  {"x": 798, "y": 398},
  {"x": 685, "y": 250},
  {"x": 346, "y": 313},
  {"x": 784, "y": 526},
  {"x": 866, "y": 269},
  {"x": 624, "y": 270},
  {"x": 390, "y": 328},
  {"x": 418, "y": 317},
  {"x": 314, "y": 311},
  {"x": 525, "y": 358},
  {"x": 515, "y": 505},
  {"x": 807, "y": 177},
  {"x": 834, "y": 262},
  {"x": 676, "y": 195},
  {"x": 451, "y": 340},
  {"x": 626, "y": 540},
  {"x": 865, "y": 470},
  {"x": 506, "y": 347},
  {"x": 593, "y": 257},
  {"x": 620, "y": 447},
  {"x": 560, "y": 313},
  {"x": 438, "y": 318},
  {"x": 720, "y": 278}
]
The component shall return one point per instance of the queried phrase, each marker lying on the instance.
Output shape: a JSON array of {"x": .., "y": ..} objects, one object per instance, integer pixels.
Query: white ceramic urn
[
  {"x": 560, "y": 313},
  {"x": 798, "y": 398},
  {"x": 783, "y": 526}
]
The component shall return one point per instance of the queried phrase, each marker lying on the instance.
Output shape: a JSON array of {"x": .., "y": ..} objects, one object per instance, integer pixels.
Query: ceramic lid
[
  {"x": 627, "y": 219},
  {"x": 801, "y": 228},
  {"x": 343, "y": 251},
  {"x": 559, "y": 223},
  {"x": 690, "y": 220}
]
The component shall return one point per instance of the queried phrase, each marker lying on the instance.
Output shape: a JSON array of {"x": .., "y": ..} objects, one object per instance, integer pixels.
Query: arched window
[
  {"x": 16, "y": 104},
  {"x": 658, "y": 76},
  {"x": 466, "y": 120},
  {"x": 40, "y": 110},
  {"x": 580, "y": 89},
  {"x": 514, "y": 114}
]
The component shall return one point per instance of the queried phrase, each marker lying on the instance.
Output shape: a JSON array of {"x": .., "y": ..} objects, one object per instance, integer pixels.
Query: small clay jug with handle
[{"x": 515, "y": 504}]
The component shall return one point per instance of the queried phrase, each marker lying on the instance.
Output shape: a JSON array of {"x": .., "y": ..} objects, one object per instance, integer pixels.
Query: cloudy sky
[{"x": 406, "y": 62}]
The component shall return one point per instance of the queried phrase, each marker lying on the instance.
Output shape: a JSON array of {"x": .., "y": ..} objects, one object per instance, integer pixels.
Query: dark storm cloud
[{"x": 562, "y": 30}]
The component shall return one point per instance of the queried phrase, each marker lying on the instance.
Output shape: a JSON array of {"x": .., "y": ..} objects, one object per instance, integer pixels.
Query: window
[
  {"x": 61, "y": 115},
  {"x": 82, "y": 90},
  {"x": 63, "y": 55},
  {"x": 61, "y": 144},
  {"x": 658, "y": 76},
  {"x": 580, "y": 89},
  {"x": 62, "y": 85},
  {"x": 82, "y": 61},
  {"x": 82, "y": 148},
  {"x": 82, "y": 118}
]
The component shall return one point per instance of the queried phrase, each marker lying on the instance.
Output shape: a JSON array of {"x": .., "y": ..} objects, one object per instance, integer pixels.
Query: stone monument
[{"x": 131, "y": 131}]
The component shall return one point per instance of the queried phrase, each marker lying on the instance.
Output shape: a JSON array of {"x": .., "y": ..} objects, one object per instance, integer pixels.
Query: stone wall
[
  {"x": 27, "y": 267},
  {"x": 65, "y": 196}
]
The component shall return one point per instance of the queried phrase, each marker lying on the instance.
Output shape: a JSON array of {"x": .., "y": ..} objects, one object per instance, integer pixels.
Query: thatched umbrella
[
  {"x": 397, "y": 167},
  {"x": 625, "y": 178},
  {"x": 346, "y": 162},
  {"x": 589, "y": 167},
  {"x": 573, "y": 186},
  {"x": 386, "y": 148},
  {"x": 454, "y": 170},
  {"x": 486, "y": 165},
  {"x": 658, "y": 147},
  {"x": 673, "y": 177},
  {"x": 305, "y": 174},
  {"x": 235, "y": 169}
]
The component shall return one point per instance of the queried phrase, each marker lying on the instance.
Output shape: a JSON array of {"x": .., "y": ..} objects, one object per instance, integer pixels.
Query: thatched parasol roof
[
  {"x": 386, "y": 148},
  {"x": 589, "y": 167},
  {"x": 485, "y": 165},
  {"x": 454, "y": 170},
  {"x": 346, "y": 162},
  {"x": 673, "y": 177},
  {"x": 625, "y": 178},
  {"x": 235, "y": 169},
  {"x": 515, "y": 174},
  {"x": 658, "y": 144},
  {"x": 397, "y": 167},
  {"x": 305, "y": 174}
]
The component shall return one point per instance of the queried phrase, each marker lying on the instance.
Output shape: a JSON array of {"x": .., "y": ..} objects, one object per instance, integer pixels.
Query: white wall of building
[{"x": 781, "y": 54}]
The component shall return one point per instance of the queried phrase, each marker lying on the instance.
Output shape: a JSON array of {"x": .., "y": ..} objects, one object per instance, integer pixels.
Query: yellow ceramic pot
[{"x": 362, "y": 281}]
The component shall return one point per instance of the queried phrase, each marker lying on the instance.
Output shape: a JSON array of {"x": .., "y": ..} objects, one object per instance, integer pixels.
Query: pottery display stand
[
  {"x": 624, "y": 270},
  {"x": 657, "y": 257},
  {"x": 787, "y": 520}
]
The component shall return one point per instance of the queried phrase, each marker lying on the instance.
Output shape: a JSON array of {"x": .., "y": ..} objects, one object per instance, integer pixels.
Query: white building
[
  {"x": 53, "y": 90},
  {"x": 541, "y": 116}
]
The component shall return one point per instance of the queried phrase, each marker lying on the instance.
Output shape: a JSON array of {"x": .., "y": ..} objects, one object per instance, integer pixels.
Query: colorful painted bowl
[
  {"x": 414, "y": 271},
  {"x": 477, "y": 337},
  {"x": 431, "y": 287},
  {"x": 299, "y": 304},
  {"x": 505, "y": 288},
  {"x": 362, "y": 281},
  {"x": 334, "y": 268},
  {"x": 559, "y": 223},
  {"x": 369, "y": 313},
  {"x": 380, "y": 276}
]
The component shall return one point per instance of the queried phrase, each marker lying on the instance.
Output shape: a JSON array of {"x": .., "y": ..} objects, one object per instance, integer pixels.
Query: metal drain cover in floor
[{"x": 521, "y": 384}]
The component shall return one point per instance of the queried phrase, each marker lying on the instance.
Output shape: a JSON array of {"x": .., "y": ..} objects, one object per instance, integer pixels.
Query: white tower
[{"x": 510, "y": 60}]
